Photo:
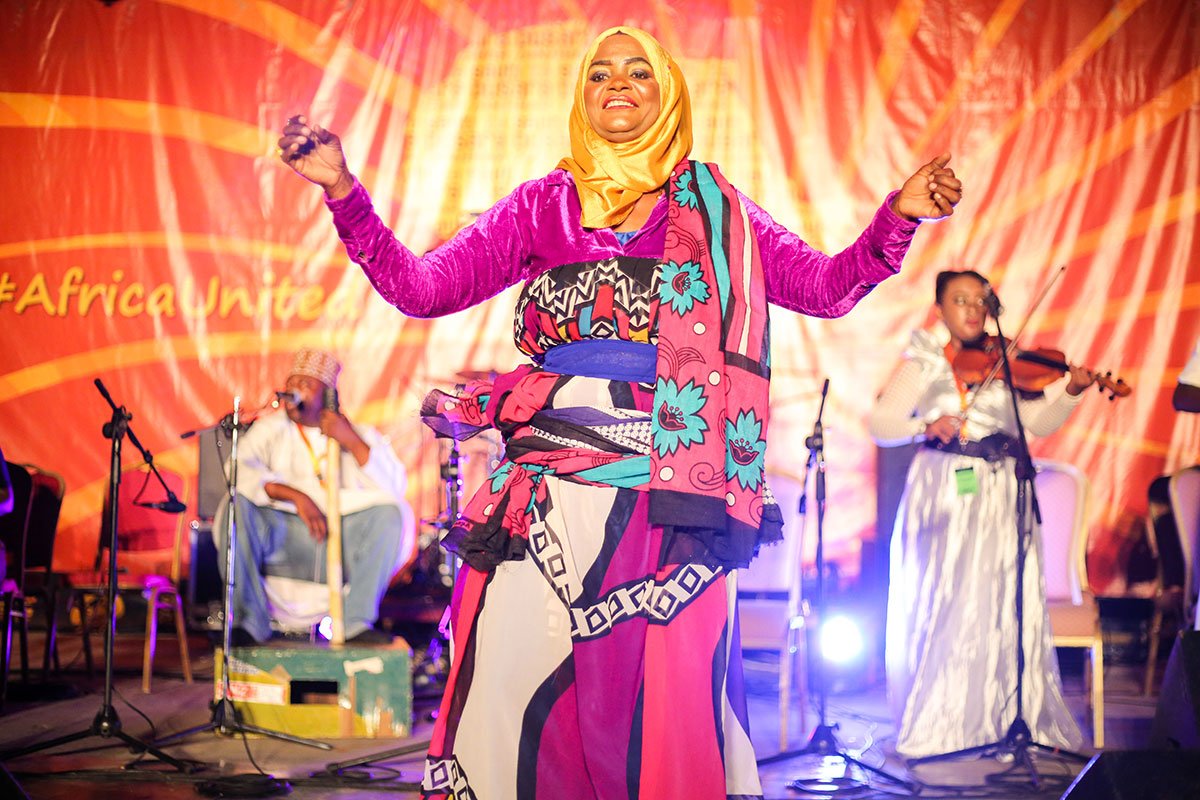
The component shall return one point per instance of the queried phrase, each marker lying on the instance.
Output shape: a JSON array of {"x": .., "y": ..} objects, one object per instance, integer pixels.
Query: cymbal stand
[{"x": 106, "y": 723}]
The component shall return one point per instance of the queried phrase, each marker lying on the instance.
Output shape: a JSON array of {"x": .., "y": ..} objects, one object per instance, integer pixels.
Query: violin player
[{"x": 951, "y": 630}]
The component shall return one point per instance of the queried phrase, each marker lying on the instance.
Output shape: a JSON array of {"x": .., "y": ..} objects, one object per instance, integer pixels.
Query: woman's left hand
[
  {"x": 1081, "y": 378},
  {"x": 931, "y": 193}
]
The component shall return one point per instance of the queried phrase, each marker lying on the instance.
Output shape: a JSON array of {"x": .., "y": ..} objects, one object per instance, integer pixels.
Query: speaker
[
  {"x": 1177, "y": 717},
  {"x": 1138, "y": 775}
]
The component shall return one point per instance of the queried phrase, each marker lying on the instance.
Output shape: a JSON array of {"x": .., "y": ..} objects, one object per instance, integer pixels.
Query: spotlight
[{"x": 841, "y": 639}]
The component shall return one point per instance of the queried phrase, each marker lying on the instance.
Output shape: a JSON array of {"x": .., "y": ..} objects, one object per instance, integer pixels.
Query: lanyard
[
  {"x": 312, "y": 454},
  {"x": 961, "y": 386}
]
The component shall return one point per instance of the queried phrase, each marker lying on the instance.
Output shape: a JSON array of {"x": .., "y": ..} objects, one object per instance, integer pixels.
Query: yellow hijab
[{"x": 611, "y": 176}]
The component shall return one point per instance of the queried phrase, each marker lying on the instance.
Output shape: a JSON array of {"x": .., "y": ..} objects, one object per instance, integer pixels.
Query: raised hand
[
  {"x": 931, "y": 193},
  {"x": 316, "y": 155}
]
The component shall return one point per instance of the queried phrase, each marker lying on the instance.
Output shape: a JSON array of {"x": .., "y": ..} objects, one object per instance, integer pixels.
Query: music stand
[
  {"x": 107, "y": 724},
  {"x": 226, "y": 719},
  {"x": 1018, "y": 739},
  {"x": 823, "y": 741}
]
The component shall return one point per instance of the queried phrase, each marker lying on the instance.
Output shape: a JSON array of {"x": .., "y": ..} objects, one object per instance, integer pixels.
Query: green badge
[{"x": 966, "y": 481}]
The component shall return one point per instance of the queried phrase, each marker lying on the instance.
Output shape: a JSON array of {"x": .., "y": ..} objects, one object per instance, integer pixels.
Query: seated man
[{"x": 281, "y": 501}]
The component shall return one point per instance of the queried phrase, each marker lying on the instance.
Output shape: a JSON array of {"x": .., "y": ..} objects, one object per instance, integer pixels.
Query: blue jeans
[{"x": 276, "y": 542}]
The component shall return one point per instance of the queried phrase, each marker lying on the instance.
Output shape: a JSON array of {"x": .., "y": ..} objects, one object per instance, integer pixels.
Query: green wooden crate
[{"x": 321, "y": 692}]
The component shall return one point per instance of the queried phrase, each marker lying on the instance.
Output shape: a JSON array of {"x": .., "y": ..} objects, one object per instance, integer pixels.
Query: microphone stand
[
  {"x": 106, "y": 723},
  {"x": 823, "y": 741},
  {"x": 226, "y": 719},
  {"x": 1018, "y": 740}
]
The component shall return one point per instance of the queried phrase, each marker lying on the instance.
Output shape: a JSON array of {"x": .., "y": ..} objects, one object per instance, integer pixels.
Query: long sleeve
[
  {"x": 383, "y": 468},
  {"x": 480, "y": 261},
  {"x": 255, "y": 467},
  {"x": 1043, "y": 416},
  {"x": 273, "y": 451},
  {"x": 802, "y": 279},
  {"x": 891, "y": 422}
]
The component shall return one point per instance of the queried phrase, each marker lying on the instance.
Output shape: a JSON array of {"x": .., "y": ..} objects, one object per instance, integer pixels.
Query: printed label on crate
[{"x": 265, "y": 693}]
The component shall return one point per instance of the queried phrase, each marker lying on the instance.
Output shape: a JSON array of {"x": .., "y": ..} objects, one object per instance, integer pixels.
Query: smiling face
[
  {"x": 621, "y": 94},
  {"x": 962, "y": 308}
]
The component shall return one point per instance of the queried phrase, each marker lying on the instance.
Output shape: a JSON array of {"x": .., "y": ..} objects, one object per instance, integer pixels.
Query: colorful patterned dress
[{"x": 596, "y": 651}]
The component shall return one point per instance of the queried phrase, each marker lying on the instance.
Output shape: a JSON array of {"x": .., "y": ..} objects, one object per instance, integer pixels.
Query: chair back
[
  {"x": 1184, "y": 491},
  {"x": 149, "y": 541},
  {"x": 47, "y": 492},
  {"x": 778, "y": 567},
  {"x": 14, "y": 526},
  {"x": 1062, "y": 492}
]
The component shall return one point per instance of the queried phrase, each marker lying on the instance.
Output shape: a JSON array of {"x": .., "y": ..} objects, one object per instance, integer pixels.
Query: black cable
[{"x": 247, "y": 785}]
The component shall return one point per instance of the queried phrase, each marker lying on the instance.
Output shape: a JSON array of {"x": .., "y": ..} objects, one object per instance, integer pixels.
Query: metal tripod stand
[
  {"x": 106, "y": 723},
  {"x": 823, "y": 741}
]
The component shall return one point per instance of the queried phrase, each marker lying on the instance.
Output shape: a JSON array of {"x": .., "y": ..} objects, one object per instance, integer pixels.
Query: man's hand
[
  {"x": 312, "y": 516},
  {"x": 337, "y": 427}
]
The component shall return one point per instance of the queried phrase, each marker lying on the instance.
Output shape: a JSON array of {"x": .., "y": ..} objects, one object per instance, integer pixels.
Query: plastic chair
[
  {"x": 770, "y": 605},
  {"x": 1062, "y": 492},
  {"x": 149, "y": 560}
]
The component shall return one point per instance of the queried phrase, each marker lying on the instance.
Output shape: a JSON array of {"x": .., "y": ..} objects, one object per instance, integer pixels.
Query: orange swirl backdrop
[{"x": 150, "y": 237}]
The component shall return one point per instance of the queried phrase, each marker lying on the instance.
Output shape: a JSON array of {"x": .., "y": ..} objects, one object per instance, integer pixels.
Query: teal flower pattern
[
  {"x": 685, "y": 195},
  {"x": 677, "y": 421},
  {"x": 744, "y": 450},
  {"x": 498, "y": 477},
  {"x": 682, "y": 286}
]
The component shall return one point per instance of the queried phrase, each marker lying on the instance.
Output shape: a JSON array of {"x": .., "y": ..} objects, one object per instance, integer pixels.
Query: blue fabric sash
[{"x": 610, "y": 359}]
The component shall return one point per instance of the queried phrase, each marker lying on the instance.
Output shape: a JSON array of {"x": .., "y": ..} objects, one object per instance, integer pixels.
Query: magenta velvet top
[{"x": 537, "y": 228}]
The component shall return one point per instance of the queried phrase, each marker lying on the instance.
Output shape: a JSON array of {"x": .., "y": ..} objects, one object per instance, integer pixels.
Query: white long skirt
[{"x": 951, "y": 628}]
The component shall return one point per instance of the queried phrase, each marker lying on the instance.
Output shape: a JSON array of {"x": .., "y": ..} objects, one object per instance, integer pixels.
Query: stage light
[
  {"x": 841, "y": 639},
  {"x": 325, "y": 627}
]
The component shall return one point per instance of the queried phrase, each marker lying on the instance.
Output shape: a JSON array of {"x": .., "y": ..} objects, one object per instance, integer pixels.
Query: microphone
[
  {"x": 991, "y": 302},
  {"x": 172, "y": 506},
  {"x": 291, "y": 397}
]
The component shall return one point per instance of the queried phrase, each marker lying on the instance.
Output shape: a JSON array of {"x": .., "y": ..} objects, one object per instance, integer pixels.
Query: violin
[{"x": 1032, "y": 370}]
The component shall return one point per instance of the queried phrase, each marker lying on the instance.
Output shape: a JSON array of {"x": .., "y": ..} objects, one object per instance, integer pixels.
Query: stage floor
[{"x": 102, "y": 767}]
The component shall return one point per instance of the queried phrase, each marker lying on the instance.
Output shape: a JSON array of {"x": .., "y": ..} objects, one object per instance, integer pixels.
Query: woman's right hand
[
  {"x": 943, "y": 428},
  {"x": 316, "y": 155}
]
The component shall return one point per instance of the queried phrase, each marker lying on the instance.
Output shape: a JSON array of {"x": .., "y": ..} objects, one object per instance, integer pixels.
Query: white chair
[
  {"x": 769, "y": 603},
  {"x": 1062, "y": 492}
]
